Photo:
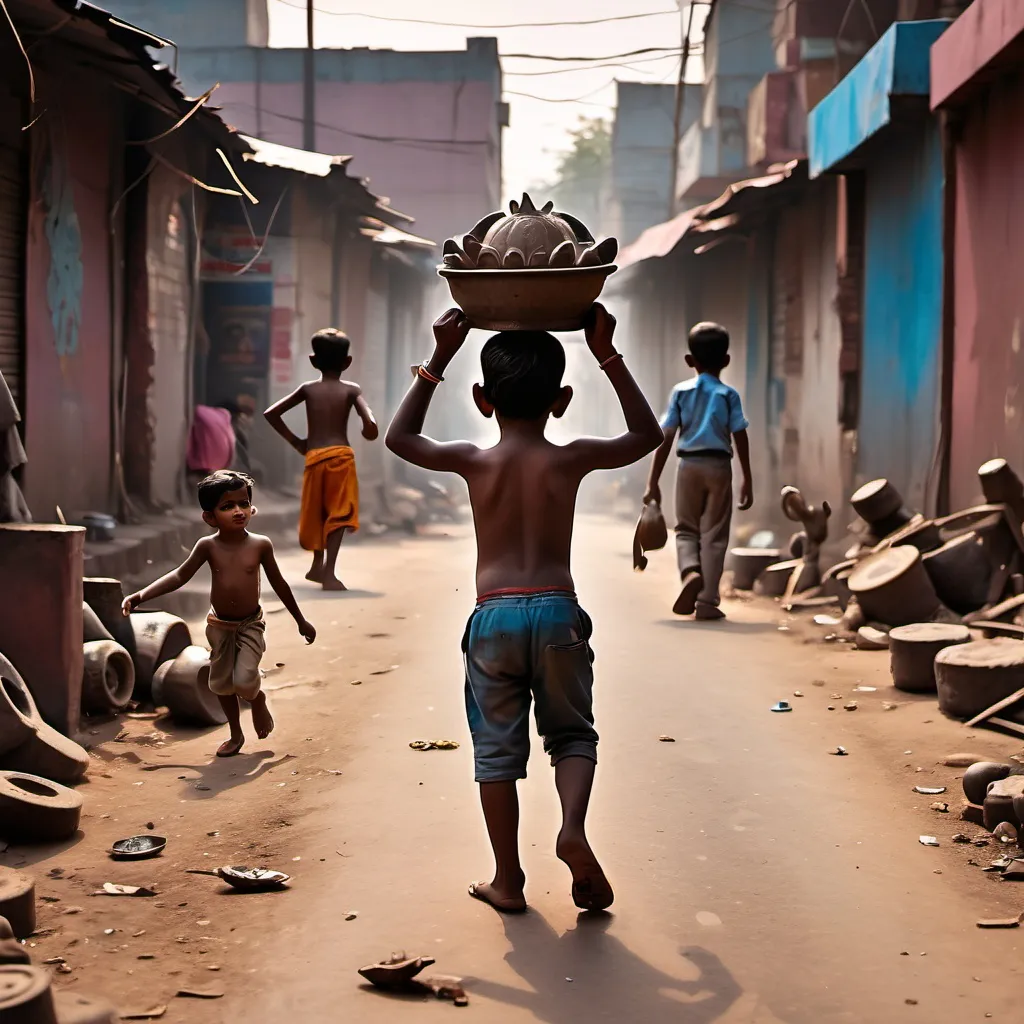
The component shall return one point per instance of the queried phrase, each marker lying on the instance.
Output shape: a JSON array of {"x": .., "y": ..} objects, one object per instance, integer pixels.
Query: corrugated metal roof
[
  {"x": 658, "y": 240},
  {"x": 271, "y": 154},
  {"x": 387, "y": 234}
]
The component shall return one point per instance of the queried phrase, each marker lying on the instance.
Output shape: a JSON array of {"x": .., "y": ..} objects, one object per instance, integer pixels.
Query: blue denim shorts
[{"x": 520, "y": 648}]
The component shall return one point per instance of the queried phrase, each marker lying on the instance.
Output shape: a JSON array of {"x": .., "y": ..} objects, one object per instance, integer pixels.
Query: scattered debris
[
  {"x": 888, "y": 705},
  {"x": 797, "y": 693},
  {"x": 351, "y": 915},
  {"x": 666, "y": 739},
  {"x": 930, "y": 790},
  {"x": 1006, "y": 832},
  {"x": 941, "y": 807},
  {"x": 153, "y": 1014},
  {"x": 960, "y": 838},
  {"x": 860, "y": 688},
  {"x": 199, "y": 993},
  {"x": 397, "y": 972},
  {"x": 782, "y": 705},
  {"x": 998, "y": 922},
  {"x": 1014, "y": 871},
  {"x": 840, "y": 752},
  {"x": 999, "y": 864},
  {"x": 960, "y": 760},
  {"x": 850, "y": 706},
  {"x": 827, "y": 620},
  {"x": 138, "y": 847},
  {"x": 111, "y": 889},
  {"x": 383, "y": 671},
  {"x": 928, "y": 840},
  {"x": 434, "y": 745}
]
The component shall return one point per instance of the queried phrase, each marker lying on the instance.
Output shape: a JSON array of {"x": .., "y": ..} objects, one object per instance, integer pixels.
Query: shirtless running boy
[
  {"x": 235, "y": 627},
  {"x": 528, "y": 638},
  {"x": 330, "y": 488}
]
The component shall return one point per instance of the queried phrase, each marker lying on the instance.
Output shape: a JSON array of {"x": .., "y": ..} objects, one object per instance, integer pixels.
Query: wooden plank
[
  {"x": 1004, "y": 723},
  {"x": 1002, "y": 705}
]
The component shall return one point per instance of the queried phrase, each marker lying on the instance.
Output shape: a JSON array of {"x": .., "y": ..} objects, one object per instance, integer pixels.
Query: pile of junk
[{"x": 944, "y": 596}]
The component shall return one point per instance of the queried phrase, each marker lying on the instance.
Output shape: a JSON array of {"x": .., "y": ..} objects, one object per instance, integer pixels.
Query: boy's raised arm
[
  {"x": 174, "y": 580},
  {"x": 643, "y": 432},
  {"x": 405, "y": 436},
  {"x": 274, "y": 415}
]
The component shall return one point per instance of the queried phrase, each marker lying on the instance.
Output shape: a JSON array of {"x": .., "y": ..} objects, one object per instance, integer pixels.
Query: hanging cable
[{"x": 163, "y": 135}]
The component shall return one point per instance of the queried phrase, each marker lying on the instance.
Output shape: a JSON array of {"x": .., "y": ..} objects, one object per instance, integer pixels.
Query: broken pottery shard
[
  {"x": 1014, "y": 871},
  {"x": 421, "y": 745},
  {"x": 999, "y": 922},
  {"x": 396, "y": 972},
  {"x": 839, "y": 752},
  {"x": 928, "y": 840},
  {"x": 666, "y": 739},
  {"x": 445, "y": 987},
  {"x": 253, "y": 879},
  {"x": 960, "y": 838},
  {"x": 153, "y": 1014},
  {"x": 942, "y": 808},
  {"x": 110, "y": 889},
  {"x": 782, "y": 705},
  {"x": 999, "y": 864},
  {"x": 199, "y": 993},
  {"x": 961, "y": 760},
  {"x": 826, "y": 620},
  {"x": 1006, "y": 832},
  {"x": 930, "y": 790},
  {"x": 851, "y": 706}
]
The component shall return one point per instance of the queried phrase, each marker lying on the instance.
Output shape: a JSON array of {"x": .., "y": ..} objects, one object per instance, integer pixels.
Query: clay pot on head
[{"x": 980, "y": 776}]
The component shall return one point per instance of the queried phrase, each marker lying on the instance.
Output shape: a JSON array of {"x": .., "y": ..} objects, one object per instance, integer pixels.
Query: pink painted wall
[
  {"x": 974, "y": 40},
  {"x": 68, "y": 409},
  {"x": 988, "y": 372},
  {"x": 447, "y": 187}
]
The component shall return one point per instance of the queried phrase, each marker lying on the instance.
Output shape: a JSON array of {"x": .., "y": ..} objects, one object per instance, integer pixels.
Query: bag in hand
[{"x": 651, "y": 534}]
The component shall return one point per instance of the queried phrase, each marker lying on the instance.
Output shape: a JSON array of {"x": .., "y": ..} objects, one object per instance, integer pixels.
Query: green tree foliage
[{"x": 583, "y": 168}]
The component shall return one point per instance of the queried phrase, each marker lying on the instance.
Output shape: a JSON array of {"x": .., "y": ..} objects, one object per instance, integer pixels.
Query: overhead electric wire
[
  {"x": 591, "y": 67},
  {"x": 470, "y": 24}
]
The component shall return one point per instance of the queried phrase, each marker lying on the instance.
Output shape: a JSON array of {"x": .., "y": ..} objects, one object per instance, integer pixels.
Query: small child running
[
  {"x": 528, "y": 639},
  {"x": 708, "y": 417},
  {"x": 330, "y": 488},
  {"x": 235, "y": 627}
]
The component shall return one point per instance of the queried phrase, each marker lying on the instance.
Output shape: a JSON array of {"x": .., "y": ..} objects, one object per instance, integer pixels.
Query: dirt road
[{"x": 759, "y": 880}]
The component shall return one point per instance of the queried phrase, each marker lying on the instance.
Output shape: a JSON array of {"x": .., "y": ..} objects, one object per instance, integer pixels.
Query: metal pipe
[{"x": 309, "y": 86}]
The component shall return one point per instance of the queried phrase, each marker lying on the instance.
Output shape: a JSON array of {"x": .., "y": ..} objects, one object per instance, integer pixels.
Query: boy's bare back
[
  {"x": 523, "y": 490},
  {"x": 329, "y": 404}
]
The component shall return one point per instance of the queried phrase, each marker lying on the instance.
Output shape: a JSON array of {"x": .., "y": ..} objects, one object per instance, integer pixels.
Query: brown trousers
[{"x": 704, "y": 515}]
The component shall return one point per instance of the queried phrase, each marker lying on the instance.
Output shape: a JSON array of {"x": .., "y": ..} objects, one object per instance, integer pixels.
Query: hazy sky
[{"x": 538, "y": 126}]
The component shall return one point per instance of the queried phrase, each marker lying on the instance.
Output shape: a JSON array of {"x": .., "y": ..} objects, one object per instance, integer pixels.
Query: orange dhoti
[{"x": 330, "y": 496}]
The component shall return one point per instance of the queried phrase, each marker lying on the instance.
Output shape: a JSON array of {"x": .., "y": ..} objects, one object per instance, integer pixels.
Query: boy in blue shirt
[{"x": 708, "y": 417}]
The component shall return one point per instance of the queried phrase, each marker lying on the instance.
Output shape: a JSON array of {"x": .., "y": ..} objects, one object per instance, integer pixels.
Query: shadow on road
[
  {"x": 609, "y": 981},
  {"x": 726, "y": 626},
  {"x": 221, "y": 774}
]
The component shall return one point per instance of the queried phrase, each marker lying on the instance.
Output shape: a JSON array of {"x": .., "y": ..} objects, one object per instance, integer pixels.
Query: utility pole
[
  {"x": 309, "y": 85},
  {"x": 680, "y": 96}
]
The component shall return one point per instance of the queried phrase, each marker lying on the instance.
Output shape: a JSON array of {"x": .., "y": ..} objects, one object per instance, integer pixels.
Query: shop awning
[
  {"x": 897, "y": 67},
  {"x": 272, "y": 154}
]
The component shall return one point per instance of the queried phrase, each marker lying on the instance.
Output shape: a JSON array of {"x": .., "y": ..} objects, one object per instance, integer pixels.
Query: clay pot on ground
[
  {"x": 999, "y": 801},
  {"x": 159, "y": 637},
  {"x": 92, "y": 628},
  {"x": 893, "y": 587},
  {"x": 836, "y": 581},
  {"x": 980, "y": 776},
  {"x": 748, "y": 563},
  {"x": 880, "y": 505},
  {"x": 1001, "y": 486},
  {"x": 36, "y": 810},
  {"x": 922, "y": 533},
  {"x": 183, "y": 686},
  {"x": 108, "y": 677},
  {"x": 42, "y": 750},
  {"x": 961, "y": 572},
  {"x": 105, "y": 596},
  {"x": 972, "y": 677},
  {"x": 25, "y": 996},
  {"x": 912, "y": 653},
  {"x": 17, "y": 903}
]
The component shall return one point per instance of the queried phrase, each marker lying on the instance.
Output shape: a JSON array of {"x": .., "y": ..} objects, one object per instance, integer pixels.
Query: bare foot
[
  {"x": 262, "y": 719},
  {"x": 314, "y": 575},
  {"x": 506, "y": 902},
  {"x": 231, "y": 746},
  {"x": 590, "y": 889},
  {"x": 332, "y": 583},
  {"x": 686, "y": 602}
]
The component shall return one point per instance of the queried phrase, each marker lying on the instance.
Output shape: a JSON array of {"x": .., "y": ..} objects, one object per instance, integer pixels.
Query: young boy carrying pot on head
[{"x": 527, "y": 641}]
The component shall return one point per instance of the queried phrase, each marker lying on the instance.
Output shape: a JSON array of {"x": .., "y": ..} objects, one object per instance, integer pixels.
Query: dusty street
[{"x": 759, "y": 880}]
